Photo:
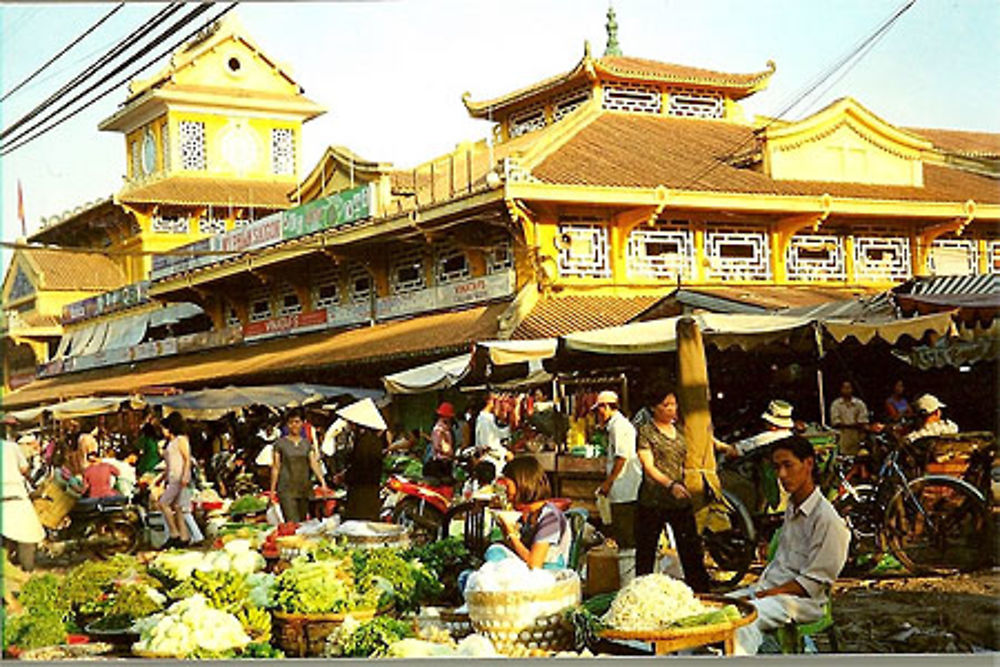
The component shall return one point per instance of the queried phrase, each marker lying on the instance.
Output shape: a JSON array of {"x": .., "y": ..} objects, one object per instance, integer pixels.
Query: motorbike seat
[{"x": 105, "y": 504}]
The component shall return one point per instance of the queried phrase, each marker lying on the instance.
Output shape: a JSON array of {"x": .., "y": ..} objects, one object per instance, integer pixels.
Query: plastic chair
[
  {"x": 577, "y": 518},
  {"x": 792, "y": 636}
]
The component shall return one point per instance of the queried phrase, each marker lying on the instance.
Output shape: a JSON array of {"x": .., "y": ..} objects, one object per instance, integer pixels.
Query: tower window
[
  {"x": 192, "y": 134},
  {"x": 282, "y": 151},
  {"x": 233, "y": 64}
]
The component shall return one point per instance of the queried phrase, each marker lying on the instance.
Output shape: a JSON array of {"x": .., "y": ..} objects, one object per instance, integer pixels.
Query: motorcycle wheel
[
  {"x": 423, "y": 519},
  {"x": 730, "y": 553},
  {"x": 862, "y": 517},
  {"x": 117, "y": 537}
]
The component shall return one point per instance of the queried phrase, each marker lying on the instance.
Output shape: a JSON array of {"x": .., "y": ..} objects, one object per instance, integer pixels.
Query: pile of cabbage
[
  {"x": 652, "y": 602},
  {"x": 507, "y": 575},
  {"x": 235, "y": 556},
  {"x": 190, "y": 628}
]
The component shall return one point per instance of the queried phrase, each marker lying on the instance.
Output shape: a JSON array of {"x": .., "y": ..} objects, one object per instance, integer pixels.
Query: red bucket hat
[{"x": 446, "y": 409}]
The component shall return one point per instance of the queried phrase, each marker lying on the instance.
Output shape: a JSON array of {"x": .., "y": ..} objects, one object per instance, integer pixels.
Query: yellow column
[
  {"x": 699, "y": 251},
  {"x": 983, "y": 255},
  {"x": 619, "y": 272},
  {"x": 778, "y": 245},
  {"x": 849, "y": 260}
]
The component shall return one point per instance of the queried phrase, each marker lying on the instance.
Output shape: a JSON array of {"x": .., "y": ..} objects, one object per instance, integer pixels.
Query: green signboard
[{"x": 337, "y": 209}]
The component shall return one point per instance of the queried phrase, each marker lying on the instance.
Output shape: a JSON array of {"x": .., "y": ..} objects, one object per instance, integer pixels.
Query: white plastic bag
[
  {"x": 274, "y": 515},
  {"x": 603, "y": 507},
  {"x": 196, "y": 535}
]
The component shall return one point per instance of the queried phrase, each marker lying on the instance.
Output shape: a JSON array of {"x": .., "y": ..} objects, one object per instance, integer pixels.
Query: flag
[{"x": 20, "y": 209}]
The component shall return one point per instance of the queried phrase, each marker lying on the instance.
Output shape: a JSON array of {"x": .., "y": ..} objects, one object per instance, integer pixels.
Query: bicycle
[{"x": 931, "y": 524}]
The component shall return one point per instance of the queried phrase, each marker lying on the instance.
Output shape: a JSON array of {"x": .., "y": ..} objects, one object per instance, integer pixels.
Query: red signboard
[{"x": 312, "y": 319}]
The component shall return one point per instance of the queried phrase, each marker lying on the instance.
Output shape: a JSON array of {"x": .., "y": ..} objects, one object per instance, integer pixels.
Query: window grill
[
  {"x": 282, "y": 151},
  {"x": 526, "y": 121},
  {"x": 407, "y": 273},
  {"x": 240, "y": 223},
  {"x": 360, "y": 284},
  {"x": 583, "y": 251},
  {"x": 260, "y": 304},
  {"x": 566, "y": 104},
  {"x": 451, "y": 263},
  {"x": 212, "y": 226},
  {"x": 881, "y": 258},
  {"x": 994, "y": 257},
  {"x": 192, "y": 135},
  {"x": 326, "y": 288},
  {"x": 692, "y": 104},
  {"x": 288, "y": 302},
  {"x": 165, "y": 146},
  {"x": 178, "y": 225},
  {"x": 660, "y": 253},
  {"x": 635, "y": 98},
  {"x": 232, "y": 318},
  {"x": 136, "y": 159},
  {"x": 737, "y": 255},
  {"x": 815, "y": 257},
  {"x": 500, "y": 255},
  {"x": 953, "y": 257}
]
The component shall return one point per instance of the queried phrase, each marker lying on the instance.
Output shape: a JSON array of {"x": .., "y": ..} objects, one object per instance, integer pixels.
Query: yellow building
[{"x": 605, "y": 193}]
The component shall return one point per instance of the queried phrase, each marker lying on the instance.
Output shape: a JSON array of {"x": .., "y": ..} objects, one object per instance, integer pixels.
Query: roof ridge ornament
[{"x": 613, "y": 48}]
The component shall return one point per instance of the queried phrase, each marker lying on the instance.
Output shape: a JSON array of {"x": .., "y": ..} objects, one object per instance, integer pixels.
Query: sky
[{"x": 392, "y": 74}]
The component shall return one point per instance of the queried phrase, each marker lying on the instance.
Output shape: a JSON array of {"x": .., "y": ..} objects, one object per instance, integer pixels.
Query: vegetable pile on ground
[
  {"x": 248, "y": 505},
  {"x": 324, "y": 586},
  {"x": 657, "y": 601},
  {"x": 43, "y": 621},
  {"x": 366, "y": 639},
  {"x": 447, "y": 558},
  {"x": 235, "y": 556},
  {"x": 411, "y": 583},
  {"x": 191, "y": 628}
]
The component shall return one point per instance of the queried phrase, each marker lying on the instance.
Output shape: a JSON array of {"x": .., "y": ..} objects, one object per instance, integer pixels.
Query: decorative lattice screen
[
  {"x": 407, "y": 272},
  {"x": 500, "y": 255},
  {"x": 635, "y": 97},
  {"x": 325, "y": 288},
  {"x": 260, "y": 304},
  {"x": 212, "y": 226},
  {"x": 526, "y": 121},
  {"x": 953, "y": 257},
  {"x": 566, "y": 104},
  {"x": 288, "y": 301},
  {"x": 192, "y": 140},
  {"x": 359, "y": 283},
  {"x": 583, "y": 251},
  {"x": 282, "y": 151},
  {"x": 695, "y": 104},
  {"x": 137, "y": 159},
  {"x": 815, "y": 257},
  {"x": 179, "y": 225},
  {"x": 881, "y": 258},
  {"x": 450, "y": 262},
  {"x": 737, "y": 255},
  {"x": 660, "y": 253},
  {"x": 165, "y": 146}
]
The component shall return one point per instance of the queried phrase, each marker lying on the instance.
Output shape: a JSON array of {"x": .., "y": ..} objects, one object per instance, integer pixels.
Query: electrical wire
[
  {"x": 11, "y": 146},
  {"x": 124, "y": 45},
  {"x": 63, "y": 52},
  {"x": 856, "y": 53}
]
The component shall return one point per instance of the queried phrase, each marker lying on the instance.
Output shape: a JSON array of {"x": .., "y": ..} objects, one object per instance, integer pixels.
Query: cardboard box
[{"x": 602, "y": 571}]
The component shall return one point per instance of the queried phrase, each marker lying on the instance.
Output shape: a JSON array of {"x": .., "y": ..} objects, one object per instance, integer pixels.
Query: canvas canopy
[
  {"x": 215, "y": 403},
  {"x": 429, "y": 377},
  {"x": 654, "y": 336},
  {"x": 75, "y": 408},
  {"x": 890, "y": 330},
  {"x": 503, "y": 352}
]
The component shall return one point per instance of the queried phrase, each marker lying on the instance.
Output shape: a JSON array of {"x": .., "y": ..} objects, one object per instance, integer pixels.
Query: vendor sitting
[
  {"x": 931, "y": 421},
  {"x": 544, "y": 539},
  {"x": 98, "y": 476}
]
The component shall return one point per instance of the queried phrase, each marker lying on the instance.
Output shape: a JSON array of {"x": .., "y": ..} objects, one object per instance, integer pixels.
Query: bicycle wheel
[
  {"x": 940, "y": 526},
  {"x": 729, "y": 552},
  {"x": 860, "y": 512}
]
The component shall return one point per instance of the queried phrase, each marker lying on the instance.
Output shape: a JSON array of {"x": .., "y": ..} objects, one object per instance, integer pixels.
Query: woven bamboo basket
[
  {"x": 532, "y": 620},
  {"x": 53, "y": 502},
  {"x": 304, "y": 635},
  {"x": 456, "y": 624}
]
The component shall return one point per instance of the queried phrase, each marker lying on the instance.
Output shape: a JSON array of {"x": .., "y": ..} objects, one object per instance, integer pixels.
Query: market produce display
[
  {"x": 235, "y": 556},
  {"x": 652, "y": 602},
  {"x": 473, "y": 646},
  {"x": 322, "y": 587},
  {"x": 190, "y": 628},
  {"x": 412, "y": 583},
  {"x": 248, "y": 505},
  {"x": 366, "y": 639}
]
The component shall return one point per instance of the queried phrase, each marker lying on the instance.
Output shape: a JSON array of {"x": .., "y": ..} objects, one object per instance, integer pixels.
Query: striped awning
[{"x": 981, "y": 284}]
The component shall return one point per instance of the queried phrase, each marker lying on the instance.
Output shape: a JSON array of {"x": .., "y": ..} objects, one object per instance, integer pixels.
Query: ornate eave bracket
[
  {"x": 926, "y": 237},
  {"x": 788, "y": 227}
]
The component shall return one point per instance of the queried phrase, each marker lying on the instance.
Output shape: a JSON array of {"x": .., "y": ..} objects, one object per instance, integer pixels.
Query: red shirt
[{"x": 98, "y": 477}]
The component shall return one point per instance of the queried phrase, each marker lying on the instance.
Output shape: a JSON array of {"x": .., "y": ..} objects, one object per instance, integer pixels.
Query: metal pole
[{"x": 822, "y": 400}]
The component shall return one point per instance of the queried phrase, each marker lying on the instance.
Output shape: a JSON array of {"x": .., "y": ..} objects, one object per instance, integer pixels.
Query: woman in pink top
[{"x": 178, "y": 475}]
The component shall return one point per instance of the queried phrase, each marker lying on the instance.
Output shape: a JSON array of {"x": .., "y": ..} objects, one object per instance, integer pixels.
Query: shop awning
[
  {"x": 951, "y": 353},
  {"x": 654, "y": 336},
  {"x": 519, "y": 351},
  {"x": 890, "y": 331},
  {"x": 429, "y": 377},
  {"x": 439, "y": 333},
  {"x": 74, "y": 408},
  {"x": 215, "y": 403}
]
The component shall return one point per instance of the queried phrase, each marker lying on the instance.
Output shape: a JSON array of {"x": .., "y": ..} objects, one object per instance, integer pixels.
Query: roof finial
[{"x": 613, "y": 48}]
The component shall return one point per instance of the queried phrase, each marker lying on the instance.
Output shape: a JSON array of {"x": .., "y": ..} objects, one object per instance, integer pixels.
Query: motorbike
[{"x": 104, "y": 526}]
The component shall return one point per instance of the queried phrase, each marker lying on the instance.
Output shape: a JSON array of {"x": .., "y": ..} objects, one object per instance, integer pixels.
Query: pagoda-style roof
[
  {"x": 203, "y": 191},
  {"x": 333, "y": 159},
  {"x": 961, "y": 142},
  {"x": 623, "y": 68},
  {"x": 61, "y": 270}
]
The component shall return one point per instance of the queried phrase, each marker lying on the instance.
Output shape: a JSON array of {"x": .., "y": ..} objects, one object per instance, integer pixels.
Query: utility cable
[
  {"x": 856, "y": 53},
  {"x": 124, "y": 45},
  {"x": 63, "y": 52},
  {"x": 10, "y": 145}
]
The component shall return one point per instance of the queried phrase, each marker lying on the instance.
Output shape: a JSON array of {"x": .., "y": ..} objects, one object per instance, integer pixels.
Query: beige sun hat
[
  {"x": 779, "y": 413},
  {"x": 929, "y": 403},
  {"x": 606, "y": 397},
  {"x": 364, "y": 413}
]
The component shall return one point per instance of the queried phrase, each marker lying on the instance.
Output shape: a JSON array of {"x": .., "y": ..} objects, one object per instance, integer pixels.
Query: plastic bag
[
  {"x": 603, "y": 508},
  {"x": 274, "y": 515}
]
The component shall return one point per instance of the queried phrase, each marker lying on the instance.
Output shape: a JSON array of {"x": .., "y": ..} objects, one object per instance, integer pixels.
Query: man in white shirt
[
  {"x": 19, "y": 520},
  {"x": 778, "y": 425},
  {"x": 490, "y": 436},
  {"x": 624, "y": 474},
  {"x": 932, "y": 423},
  {"x": 849, "y": 415},
  {"x": 812, "y": 550}
]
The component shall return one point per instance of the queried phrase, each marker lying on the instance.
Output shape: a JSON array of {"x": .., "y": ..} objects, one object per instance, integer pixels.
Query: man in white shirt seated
[
  {"x": 779, "y": 425},
  {"x": 812, "y": 550},
  {"x": 490, "y": 436},
  {"x": 849, "y": 415}
]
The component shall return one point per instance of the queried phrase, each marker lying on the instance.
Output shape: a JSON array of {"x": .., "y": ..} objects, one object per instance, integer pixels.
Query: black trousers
[
  {"x": 648, "y": 526},
  {"x": 294, "y": 509}
]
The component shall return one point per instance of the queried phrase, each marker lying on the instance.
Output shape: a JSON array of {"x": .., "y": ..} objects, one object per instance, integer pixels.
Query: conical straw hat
[{"x": 364, "y": 413}]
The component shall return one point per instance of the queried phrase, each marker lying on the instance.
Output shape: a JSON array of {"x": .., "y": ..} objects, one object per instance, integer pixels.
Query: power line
[
  {"x": 121, "y": 47},
  {"x": 66, "y": 48},
  {"x": 856, "y": 53},
  {"x": 20, "y": 139}
]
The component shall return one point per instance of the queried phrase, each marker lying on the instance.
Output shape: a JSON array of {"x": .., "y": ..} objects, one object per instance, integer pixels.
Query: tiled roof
[
  {"x": 767, "y": 297},
  {"x": 632, "y": 150},
  {"x": 652, "y": 69},
  {"x": 422, "y": 335},
  {"x": 560, "y": 315},
  {"x": 62, "y": 270},
  {"x": 214, "y": 191},
  {"x": 972, "y": 144}
]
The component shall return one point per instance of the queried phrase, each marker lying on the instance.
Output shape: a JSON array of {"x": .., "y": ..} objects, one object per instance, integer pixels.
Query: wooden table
[{"x": 677, "y": 639}]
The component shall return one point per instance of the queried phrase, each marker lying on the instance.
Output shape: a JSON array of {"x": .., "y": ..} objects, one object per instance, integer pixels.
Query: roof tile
[
  {"x": 214, "y": 191},
  {"x": 560, "y": 315},
  {"x": 63, "y": 270}
]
